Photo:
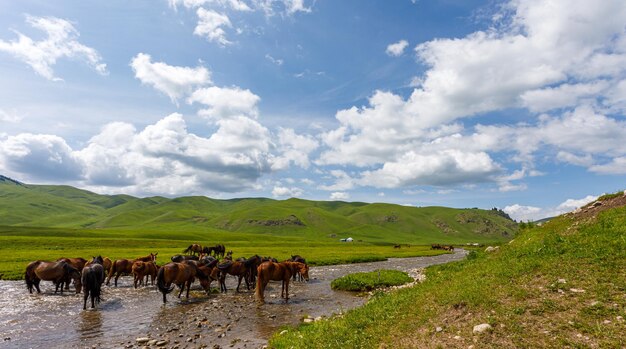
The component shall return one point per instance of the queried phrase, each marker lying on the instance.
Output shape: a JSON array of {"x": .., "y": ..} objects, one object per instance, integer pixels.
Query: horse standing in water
[
  {"x": 240, "y": 269},
  {"x": 142, "y": 269},
  {"x": 180, "y": 274},
  {"x": 92, "y": 279},
  {"x": 106, "y": 264},
  {"x": 278, "y": 272},
  {"x": 122, "y": 266},
  {"x": 59, "y": 273},
  {"x": 297, "y": 258}
]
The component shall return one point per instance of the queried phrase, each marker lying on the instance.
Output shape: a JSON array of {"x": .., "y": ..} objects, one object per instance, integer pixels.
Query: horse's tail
[
  {"x": 161, "y": 282},
  {"x": 259, "y": 289},
  {"x": 29, "y": 281}
]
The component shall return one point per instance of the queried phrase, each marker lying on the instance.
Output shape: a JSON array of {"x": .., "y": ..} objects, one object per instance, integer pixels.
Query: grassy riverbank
[
  {"x": 559, "y": 285},
  {"x": 359, "y": 282}
]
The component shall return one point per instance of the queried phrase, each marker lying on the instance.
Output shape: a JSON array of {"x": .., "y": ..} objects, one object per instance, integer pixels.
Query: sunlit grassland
[{"x": 21, "y": 245}]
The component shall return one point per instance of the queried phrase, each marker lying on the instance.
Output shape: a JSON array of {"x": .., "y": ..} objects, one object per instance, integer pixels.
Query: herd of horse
[
  {"x": 442, "y": 247},
  {"x": 205, "y": 264}
]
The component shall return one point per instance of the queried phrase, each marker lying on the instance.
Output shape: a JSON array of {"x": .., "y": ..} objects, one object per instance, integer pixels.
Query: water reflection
[{"x": 90, "y": 324}]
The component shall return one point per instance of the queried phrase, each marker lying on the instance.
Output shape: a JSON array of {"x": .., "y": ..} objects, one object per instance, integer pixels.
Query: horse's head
[
  {"x": 153, "y": 256},
  {"x": 97, "y": 260}
]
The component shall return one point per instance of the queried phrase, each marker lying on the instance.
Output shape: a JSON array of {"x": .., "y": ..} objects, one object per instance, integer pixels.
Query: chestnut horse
[
  {"x": 180, "y": 274},
  {"x": 121, "y": 266},
  {"x": 193, "y": 249},
  {"x": 92, "y": 279},
  {"x": 58, "y": 272},
  {"x": 142, "y": 269},
  {"x": 297, "y": 258},
  {"x": 278, "y": 272}
]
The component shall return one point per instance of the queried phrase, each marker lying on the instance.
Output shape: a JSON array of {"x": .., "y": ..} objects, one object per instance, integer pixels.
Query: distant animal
[
  {"x": 193, "y": 249},
  {"x": 229, "y": 255},
  {"x": 141, "y": 270},
  {"x": 279, "y": 272},
  {"x": 124, "y": 266},
  {"x": 219, "y": 250},
  {"x": 92, "y": 280},
  {"x": 396, "y": 246},
  {"x": 180, "y": 274},
  {"x": 435, "y": 247},
  {"x": 180, "y": 258},
  {"x": 60, "y": 273},
  {"x": 447, "y": 248}
]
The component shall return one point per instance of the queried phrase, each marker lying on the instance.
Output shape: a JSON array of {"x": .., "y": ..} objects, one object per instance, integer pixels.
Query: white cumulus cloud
[
  {"x": 174, "y": 81},
  {"x": 61, "y": 42},
  {"x": 211, "y": 26}
]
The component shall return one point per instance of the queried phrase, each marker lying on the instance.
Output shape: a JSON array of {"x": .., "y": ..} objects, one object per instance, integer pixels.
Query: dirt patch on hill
[{"x": 592, "y": 209}]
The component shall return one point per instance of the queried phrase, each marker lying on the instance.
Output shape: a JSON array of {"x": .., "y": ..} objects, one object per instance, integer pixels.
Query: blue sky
[{"x": 511, "y": 104}]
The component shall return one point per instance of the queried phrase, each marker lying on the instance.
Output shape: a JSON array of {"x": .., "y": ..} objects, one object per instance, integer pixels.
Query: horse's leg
[
  {"x": 135, "y": 280},
  {"x": 239, "y": 281},
  {"x": 188, "y": 287},
  {"x": 286, "y": 290},
  {"x": 36, "y": 282},
  {"x": 117, "y": 276},
  {"x": 182, "y": 287},
  {"x": 85, "y": 295}
]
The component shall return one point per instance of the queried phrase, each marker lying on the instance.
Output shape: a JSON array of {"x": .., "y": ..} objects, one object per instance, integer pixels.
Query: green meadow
[
  {"x": 48, "y": 222},
  {"x": 560, "y": 285}
]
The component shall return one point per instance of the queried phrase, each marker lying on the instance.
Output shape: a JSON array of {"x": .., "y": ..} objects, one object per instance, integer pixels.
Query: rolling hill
[{"x": 56, "y": 206}]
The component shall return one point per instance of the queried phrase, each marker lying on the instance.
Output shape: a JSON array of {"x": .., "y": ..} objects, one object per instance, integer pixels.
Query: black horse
[{"x": 92, "y": 280}]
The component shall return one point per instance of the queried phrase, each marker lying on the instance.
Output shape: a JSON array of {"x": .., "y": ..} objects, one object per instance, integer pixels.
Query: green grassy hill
[
  {"x": 69, "y": 207},
  {"x": 559, "y": 285}
]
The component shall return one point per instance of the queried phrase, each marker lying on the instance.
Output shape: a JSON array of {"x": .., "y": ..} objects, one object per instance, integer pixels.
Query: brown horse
[
  {"x": 297, "y": 258},
  {"x": 238, "y": 269},
  {"x": 193, "y": 249},
  {"x": 125, "y": 266},
  {"x": 59, "y": 273},
  {"x": 92, "y": 279},
  {"x": 142, "y": 269},
  {"x": 180, "y": 274},
  {"x": 278, "y": 272}
]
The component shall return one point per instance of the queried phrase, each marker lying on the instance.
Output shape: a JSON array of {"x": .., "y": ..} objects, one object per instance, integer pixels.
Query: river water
[{"x": 231, "y": 320}]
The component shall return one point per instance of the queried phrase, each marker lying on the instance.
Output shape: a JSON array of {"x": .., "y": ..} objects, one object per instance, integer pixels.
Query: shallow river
[{"x": 231, "y": 320}]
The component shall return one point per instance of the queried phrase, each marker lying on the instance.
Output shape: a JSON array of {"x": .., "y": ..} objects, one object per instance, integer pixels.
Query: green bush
[{"x": 369, "y": 281}]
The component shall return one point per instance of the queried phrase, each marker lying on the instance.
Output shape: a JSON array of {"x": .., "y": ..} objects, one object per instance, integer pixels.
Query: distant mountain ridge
[{"x": 70, "y": 207}]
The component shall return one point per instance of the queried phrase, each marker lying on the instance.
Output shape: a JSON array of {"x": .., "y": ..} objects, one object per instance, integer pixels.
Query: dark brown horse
[
  {"x": 237, "y": 268},
  {"x": 125, "y": 266},
  {"x": 278, "y": 272},
  {"x": 92, "y": 279},
  {"x": 297, "y": 258},
  {"x": 59, "y": 273},
  {"x": 106, "y": 264},
  {"x": 181, "y": 258},
  {"x": 180, "y": 274},
  {"x": 193, "y": 249},
  {"x": 77, "y": 263},
  {"x": 142, "y": 269}
]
